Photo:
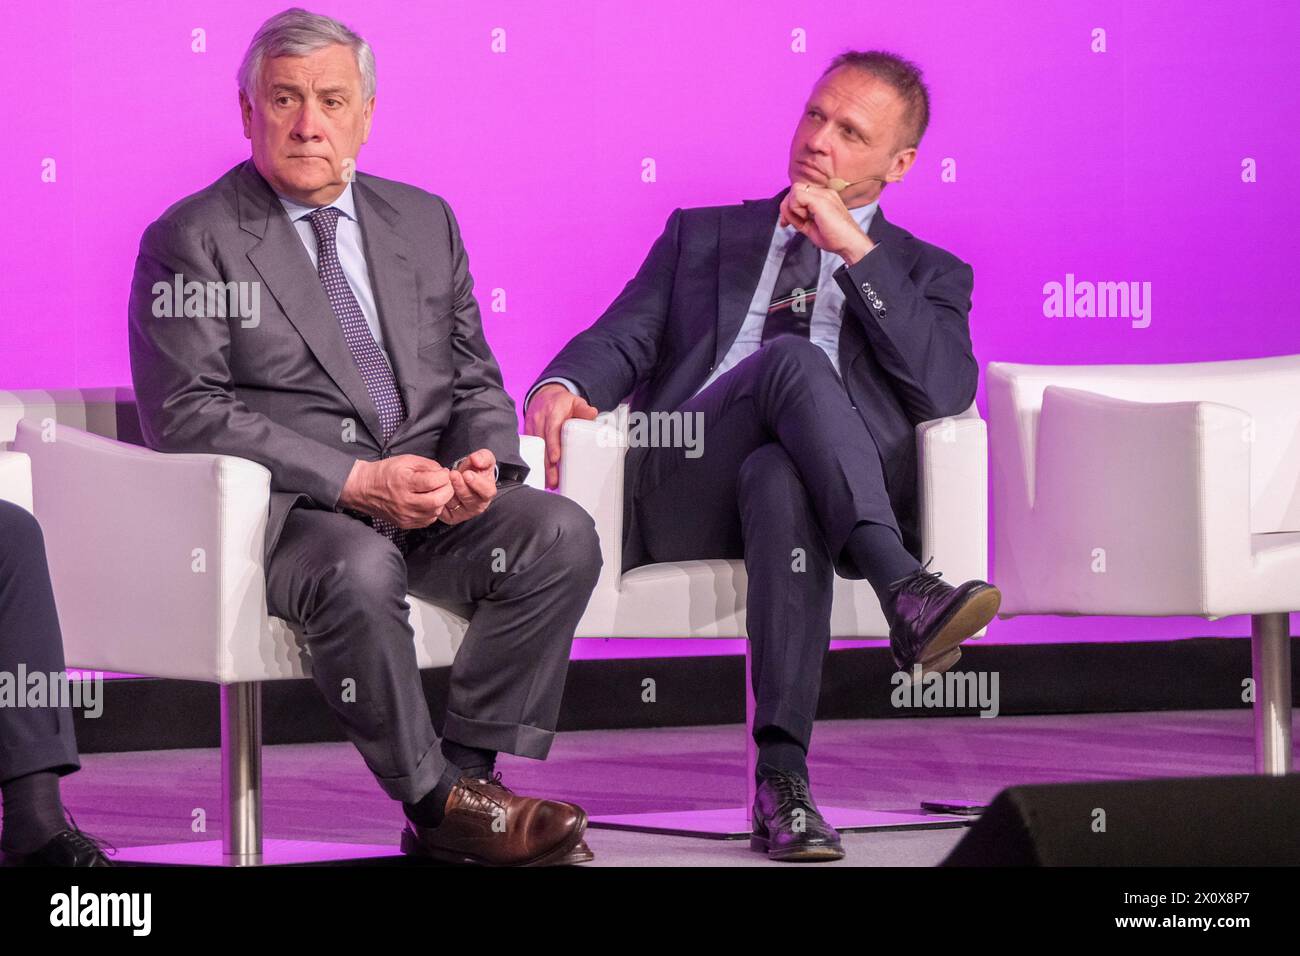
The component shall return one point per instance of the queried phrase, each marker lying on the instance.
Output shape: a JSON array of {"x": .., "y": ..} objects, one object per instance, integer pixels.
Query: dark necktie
[
  {"x": 376, "y": 373},
  {"x": 795, "y": 292}
]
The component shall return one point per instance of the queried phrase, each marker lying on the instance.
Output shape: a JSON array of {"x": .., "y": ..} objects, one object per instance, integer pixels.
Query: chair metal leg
[
  {"x": 241, "y": 774},
  {"x": 1270, "y": 660},
  {"x": 241, "y": 841}
]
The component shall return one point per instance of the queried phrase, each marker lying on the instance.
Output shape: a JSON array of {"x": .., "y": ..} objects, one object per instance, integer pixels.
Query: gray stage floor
[{"x": 324, "y": 792}]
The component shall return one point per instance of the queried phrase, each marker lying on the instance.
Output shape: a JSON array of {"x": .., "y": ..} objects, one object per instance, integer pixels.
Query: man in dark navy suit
[{"x": 808, "y": 336}]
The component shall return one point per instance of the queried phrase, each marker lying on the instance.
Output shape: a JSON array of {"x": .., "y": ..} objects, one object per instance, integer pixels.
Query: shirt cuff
[
  {"x": 571, "y": 386},
  {"x": 496, "y": 469}
]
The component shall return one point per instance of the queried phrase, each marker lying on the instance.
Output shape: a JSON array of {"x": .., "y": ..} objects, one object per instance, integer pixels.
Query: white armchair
[
  {"x": 1156, "y": 490},
  {"x": 157, "y": 570},
  {"x": 156, "y": 564},
  {"x": 706, "y": 599}
]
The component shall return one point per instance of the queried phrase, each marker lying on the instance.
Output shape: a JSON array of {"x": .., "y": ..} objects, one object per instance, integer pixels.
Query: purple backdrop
[{"x": 1107, "y": 140}]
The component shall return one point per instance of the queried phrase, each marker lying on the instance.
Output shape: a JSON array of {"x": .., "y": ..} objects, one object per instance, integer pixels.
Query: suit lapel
[
  {"x": 392, "y": 277},
  {"x": 744, "y": 236},
  {"x": 286, "y": 270}
]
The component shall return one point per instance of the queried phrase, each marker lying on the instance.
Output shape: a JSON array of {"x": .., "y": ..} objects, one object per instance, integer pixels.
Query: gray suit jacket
[{"x": 284, "y": 391}]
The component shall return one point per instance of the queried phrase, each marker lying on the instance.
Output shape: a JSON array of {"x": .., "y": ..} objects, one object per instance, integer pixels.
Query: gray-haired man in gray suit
[{"x": 350, "y": 361}]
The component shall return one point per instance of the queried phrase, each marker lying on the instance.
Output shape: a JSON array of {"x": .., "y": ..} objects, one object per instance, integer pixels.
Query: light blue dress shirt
[
  {"x": 824, "y": 326},
  {"x": 351, "y": 250}
]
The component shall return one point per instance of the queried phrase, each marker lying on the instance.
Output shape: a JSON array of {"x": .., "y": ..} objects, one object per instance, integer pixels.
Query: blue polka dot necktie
[{"x": 376, "y": 373}]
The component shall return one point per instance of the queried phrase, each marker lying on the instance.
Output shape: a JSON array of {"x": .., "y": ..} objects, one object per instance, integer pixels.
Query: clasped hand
[{"x": 412, "y": 491}]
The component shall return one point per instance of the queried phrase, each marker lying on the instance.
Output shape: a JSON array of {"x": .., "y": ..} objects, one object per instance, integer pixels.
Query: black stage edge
[{"x": 1204, "y": 673}]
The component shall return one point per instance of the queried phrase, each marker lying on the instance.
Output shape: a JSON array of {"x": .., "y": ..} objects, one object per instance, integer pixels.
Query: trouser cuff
[
  {"x": 519, "y": 739},
  {"x": 54, "y": 755},
  {"x": 427, "y": 773}
]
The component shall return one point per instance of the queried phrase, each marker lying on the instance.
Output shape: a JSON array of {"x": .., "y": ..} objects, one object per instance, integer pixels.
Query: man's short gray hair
[{"x": 297, "y": 32}]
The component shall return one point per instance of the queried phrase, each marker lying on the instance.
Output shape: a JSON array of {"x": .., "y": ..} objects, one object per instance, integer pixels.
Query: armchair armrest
[
  {"x": 16, "y": 478},
  {"x": 591, "y": 473},
  {"x": 156, "y": 559},
  {"x": 952, "y": 469},
  {"x": 1156, "y": 490},
  {"x": 533, "y": 451}
]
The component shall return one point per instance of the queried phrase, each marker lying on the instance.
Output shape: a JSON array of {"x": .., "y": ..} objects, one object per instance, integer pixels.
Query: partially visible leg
[
  {"x": 37, "y": 744},
  {"x": 877, "y": 552},
  {"x": 788, "y": 393},
  {"x": 528, "y": 564},
  {"x": 789, "y": 605},
  {"x": 345, "y": 585},
  {"x": 789, "y": 611}
]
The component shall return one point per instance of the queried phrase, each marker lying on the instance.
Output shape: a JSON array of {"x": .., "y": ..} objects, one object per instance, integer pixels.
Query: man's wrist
[
  {"x": 353, "y": 492},
  {"x": 852, "y": 254},
  {"x": 563, "y": 383}
]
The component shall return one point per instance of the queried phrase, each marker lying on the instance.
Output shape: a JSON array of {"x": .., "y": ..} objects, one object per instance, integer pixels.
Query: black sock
[
  {"x": 473, "y": 761},
  {"x": 33, "y": 812},
  {"x": 461, "y": 761},
  {"x": 877, "y": 552},
  {"x": 779, "y": 751},
  {"x": 429, "y": 810}
]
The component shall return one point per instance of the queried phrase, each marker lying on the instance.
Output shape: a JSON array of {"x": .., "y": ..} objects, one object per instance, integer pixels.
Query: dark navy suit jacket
[{"x": 905, "y": 348}]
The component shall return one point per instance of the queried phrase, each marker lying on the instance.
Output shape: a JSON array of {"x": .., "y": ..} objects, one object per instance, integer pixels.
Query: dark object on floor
[{"x": 1196, "y": 821}]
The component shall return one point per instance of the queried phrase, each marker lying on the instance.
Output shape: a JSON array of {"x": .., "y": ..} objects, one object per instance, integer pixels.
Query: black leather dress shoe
[
  {"x": 68, "y": 847},
  {"x": 787, "y": 824},
  {"x": 931, "y": 618}
]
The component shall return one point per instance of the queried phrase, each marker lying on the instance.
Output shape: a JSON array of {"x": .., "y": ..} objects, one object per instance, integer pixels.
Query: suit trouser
[
  {"x": 788, "y": 470},
  {"x": 31, "y": 738},
  {"x": 522, "y": 571}
]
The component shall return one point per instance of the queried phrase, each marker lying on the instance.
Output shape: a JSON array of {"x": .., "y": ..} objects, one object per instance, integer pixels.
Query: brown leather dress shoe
[
  {"x": 489, "y": 825},
  {"x": 579, "y": 854}
]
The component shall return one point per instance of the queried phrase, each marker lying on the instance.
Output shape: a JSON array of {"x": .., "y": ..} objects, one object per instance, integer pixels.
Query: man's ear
[
  {"x": 370, "y": 115},
  {"x": 246, "y": 113},
  {"x": 903, "y": 161}
]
